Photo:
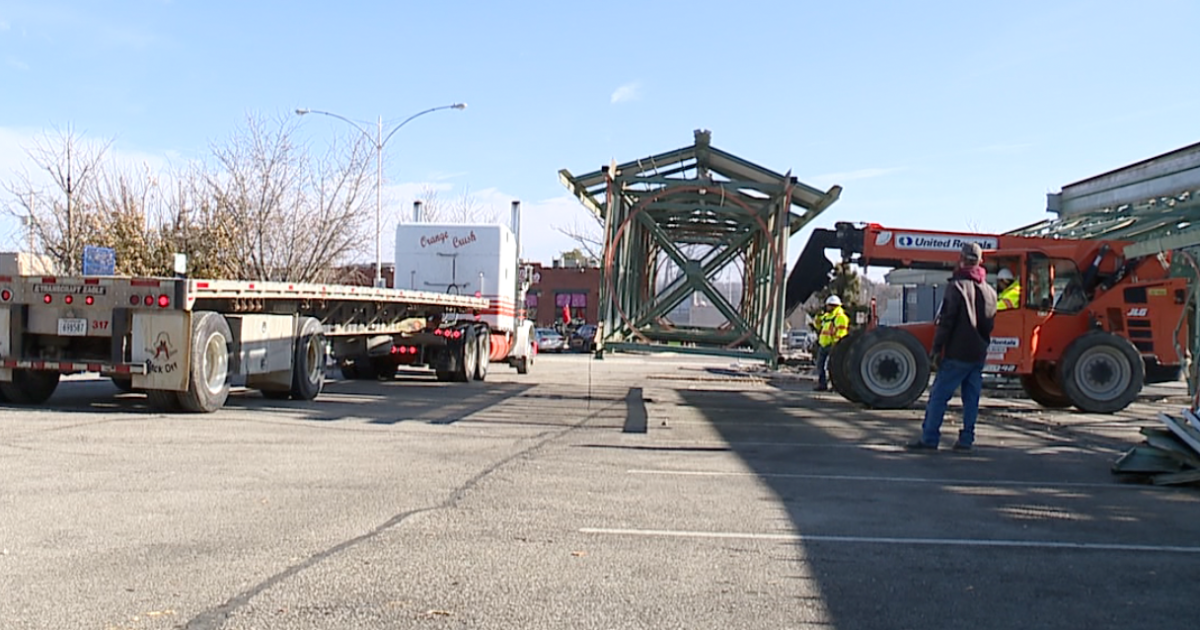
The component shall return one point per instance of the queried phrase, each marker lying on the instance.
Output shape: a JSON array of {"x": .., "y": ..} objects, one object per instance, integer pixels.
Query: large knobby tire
[
  {"x": 483, "y": 354},
  {"x": 208, "y": 376},
  {"x": 29, "y": 387},
  {"x": 1044, "y": 388},
  {"x": 838, "y": 368},
  {"x": 888, "y": 368},
  {"x": 308, "y": 360},
  {"x": 1101, "y": 372}
]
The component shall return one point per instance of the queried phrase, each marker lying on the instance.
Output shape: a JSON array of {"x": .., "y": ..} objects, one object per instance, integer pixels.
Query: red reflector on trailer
[
  {"x": 133, "y": 300},
  {"x": 164, "y": 301},
  {"x": 149, "y": 301},
  {"x": 68, "y": 299},
  {"x": 89, "y": 300},
  {"x": 5, "y": 295},
  {"x": 47, "y": 298},
  {"x": 91, "y": 280}
]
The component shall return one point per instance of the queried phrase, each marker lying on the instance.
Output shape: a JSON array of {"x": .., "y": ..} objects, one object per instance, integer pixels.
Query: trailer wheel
[
  {"x": 29, "y": 387},
  {"x": 208, "y": 382},
  {"x": 839, "y": 377},
  {"x": 888, "y": 368},
  {"x": 483, "y": 353},
  {"x": 308, "y": 361},
  {"x": 1101, "y": 372},
  {"x": 125, "y": 384},
  {"x": 1044, "y": 388},
  {"x": 467, "y": 351}
]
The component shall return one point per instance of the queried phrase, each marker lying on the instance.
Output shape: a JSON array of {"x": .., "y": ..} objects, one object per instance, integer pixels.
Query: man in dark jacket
[{"x": 960, "y": 348}]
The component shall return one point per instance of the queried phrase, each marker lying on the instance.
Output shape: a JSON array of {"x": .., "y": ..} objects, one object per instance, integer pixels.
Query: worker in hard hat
[
  {"x": 1008, "y": 290},
  {"x": 832, "y": 325}
]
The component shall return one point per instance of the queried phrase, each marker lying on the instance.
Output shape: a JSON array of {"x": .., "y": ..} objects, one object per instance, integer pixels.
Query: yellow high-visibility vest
[
  {"x": 832, "y": 326},
  {"x": 1009, "y": 298}
]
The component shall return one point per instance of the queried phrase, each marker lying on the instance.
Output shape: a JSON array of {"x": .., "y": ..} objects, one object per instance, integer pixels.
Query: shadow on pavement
[{"x": 1019, "y": 534}]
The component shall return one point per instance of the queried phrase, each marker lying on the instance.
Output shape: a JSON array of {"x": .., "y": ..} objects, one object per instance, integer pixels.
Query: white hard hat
[
  {"x": 834, "y": 300},
  {"x": 1004, "y": 274}
]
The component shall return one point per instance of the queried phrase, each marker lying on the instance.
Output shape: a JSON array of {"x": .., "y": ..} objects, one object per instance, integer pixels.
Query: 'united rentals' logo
[{"x": 943, "y": 242}]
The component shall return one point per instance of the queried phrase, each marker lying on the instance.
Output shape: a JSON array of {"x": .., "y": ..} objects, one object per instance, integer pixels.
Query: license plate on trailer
[{"x": 72, "y": 327}]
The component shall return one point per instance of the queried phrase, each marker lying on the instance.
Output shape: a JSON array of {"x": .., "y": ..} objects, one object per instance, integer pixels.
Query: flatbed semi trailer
[{"x": 182, "y": 340}]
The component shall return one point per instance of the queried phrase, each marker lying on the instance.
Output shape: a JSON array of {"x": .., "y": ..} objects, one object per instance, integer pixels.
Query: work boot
[{"x": 920, "y": 445}]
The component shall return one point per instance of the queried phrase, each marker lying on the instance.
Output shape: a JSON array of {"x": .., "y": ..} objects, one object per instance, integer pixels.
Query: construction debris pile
[{"x": 1170, "y": 455}]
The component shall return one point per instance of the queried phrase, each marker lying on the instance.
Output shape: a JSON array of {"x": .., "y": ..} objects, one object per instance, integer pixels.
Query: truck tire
[
  {"x": 484, "y": 353},
  {"x": 839, "y": 378},
  {"x": 888, "y": 368},
  {"x": 29, "y": 387},
  {"x": 1044, "y": 388},
  {"x": 466, "y": 353},
  {"x": 125, "y": 384},
  {"x": 1101, "y": 372},
  {"x": 308, "y": 360},
  {"x": 208, "y": 376},
  {"x": 522, "y": 364},
  {"x": 382, "y": 368}
]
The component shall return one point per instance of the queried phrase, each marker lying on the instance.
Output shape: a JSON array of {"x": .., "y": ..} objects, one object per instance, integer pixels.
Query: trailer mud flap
[
  {"x": 5, "y": 341},
  {"x": 162, "y": 340}
]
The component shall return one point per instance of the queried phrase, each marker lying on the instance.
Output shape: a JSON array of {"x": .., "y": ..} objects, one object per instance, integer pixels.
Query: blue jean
[
  {"x": 822, "y": 363},
  {"x": 951, "y": 375}
]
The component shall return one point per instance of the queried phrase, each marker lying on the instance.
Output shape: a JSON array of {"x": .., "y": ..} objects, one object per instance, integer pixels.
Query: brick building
[{"x": 564, "y": 284}]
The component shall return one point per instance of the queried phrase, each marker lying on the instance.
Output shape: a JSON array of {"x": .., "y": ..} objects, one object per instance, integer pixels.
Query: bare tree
[
  {"x": 589, "y": 235},
  {"x": 286, "y": 216},
  {"x": 463, "y": 209},
  {"x": 263, "y": 209},
  {"x": 59, "y": 213}
]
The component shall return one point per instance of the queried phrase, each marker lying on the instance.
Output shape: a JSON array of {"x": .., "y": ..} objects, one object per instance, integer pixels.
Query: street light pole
[{"x": 379, "y": 141}]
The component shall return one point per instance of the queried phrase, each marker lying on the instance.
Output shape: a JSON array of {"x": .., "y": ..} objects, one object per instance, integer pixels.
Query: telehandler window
[{"x": 1055, "y": 284}]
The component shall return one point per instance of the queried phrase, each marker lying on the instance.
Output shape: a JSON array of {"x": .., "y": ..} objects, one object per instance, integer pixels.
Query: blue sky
[{"x": 948, "y": 115}]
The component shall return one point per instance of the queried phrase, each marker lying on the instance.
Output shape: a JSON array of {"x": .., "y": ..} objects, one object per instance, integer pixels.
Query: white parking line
[
  {"x": 947, "y": 481},
  {"x": 885, "y": 540}
]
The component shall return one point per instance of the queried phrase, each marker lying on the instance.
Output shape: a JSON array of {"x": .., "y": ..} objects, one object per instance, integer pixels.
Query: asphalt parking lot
[{"x": 535, "y": 502}]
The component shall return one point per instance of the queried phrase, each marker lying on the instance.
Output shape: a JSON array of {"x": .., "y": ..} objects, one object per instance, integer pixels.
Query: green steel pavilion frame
[{"x": 677, "y": 223}]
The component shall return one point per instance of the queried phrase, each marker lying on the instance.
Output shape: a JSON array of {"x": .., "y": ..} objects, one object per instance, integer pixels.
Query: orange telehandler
[{"x": 1093, "y": 325}]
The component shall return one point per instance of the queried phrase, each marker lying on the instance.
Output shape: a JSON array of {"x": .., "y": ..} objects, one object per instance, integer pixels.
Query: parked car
[
  {"x": 802, "y": 340},
  {"x": 548, "y": 340},
  {"x": 584, "y": 338}
]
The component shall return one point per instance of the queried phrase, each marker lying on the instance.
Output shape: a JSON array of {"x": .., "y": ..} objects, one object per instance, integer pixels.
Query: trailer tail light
[
  {"x": 5, "y": 295},
  {"x": 47, "y": 298},
  {"x": 89, "y": 300},
  {"x": 456, "y": 334},
  {"x": 439, "y": 332},
  {"x": 164, "y": 301},
  {"x": 69, "y": 299},
  {"x": 133, "y": 300},
  {"x": 149, "y": 301}
]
